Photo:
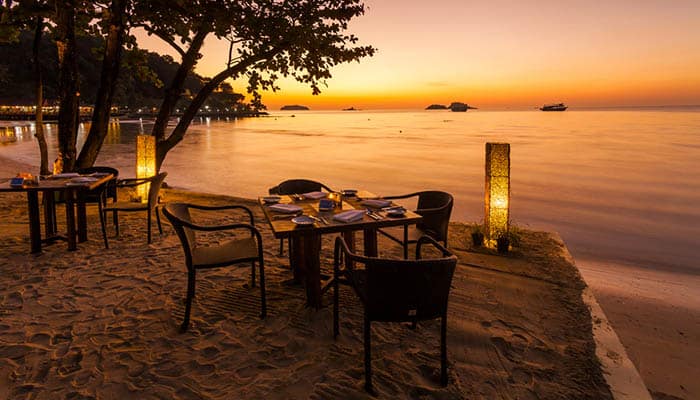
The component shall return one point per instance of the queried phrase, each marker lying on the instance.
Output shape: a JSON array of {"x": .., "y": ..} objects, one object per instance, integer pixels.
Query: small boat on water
[{"x": 554, "y": 107}]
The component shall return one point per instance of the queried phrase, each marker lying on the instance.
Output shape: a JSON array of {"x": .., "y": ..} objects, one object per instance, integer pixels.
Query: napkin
[
  {"x": 315, "y": 195},
  {"x": 349, "y": 216},
  {"x": 285, "y": 208},
  {"x": 376, "y": 203}
]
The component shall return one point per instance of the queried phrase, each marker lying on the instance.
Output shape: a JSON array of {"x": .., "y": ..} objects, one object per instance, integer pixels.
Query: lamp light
[
  {"x": 497, "y": 193},
  {"x": 145, "y": 163}
]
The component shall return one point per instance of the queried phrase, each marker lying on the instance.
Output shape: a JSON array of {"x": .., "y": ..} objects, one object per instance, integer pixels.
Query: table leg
[
  {"x": 306, "y": 263},
  {"x": 34, "y": 220},
  {"x": 370, "y": 242},
  {"x": 49, "y": 214},
  {"x": 296, "y": 258},
  {"x": 82, "y": 216},
  {"x": 70, "y": 220}
]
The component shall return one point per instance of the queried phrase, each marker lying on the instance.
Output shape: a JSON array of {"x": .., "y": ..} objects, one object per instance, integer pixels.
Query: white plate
[
  {"x": 84, "y": 179},
  {"x": 396, "y": 213},
  {"x": 303, "y": 220}
]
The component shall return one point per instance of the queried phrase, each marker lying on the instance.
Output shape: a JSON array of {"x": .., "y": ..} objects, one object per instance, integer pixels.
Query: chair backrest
[
  {"x": 292, "y": 186},
  {"x": 154, "y": 188},
  {"x": 403, "y": 290},
  {"x": 437, "y": 221},
  {"x": 177, "y": 213},
  {"x": 110, "y": 187}
]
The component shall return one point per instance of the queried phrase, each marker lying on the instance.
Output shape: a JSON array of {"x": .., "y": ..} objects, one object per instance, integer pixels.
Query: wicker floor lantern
[{"x": 497, "y": 193}]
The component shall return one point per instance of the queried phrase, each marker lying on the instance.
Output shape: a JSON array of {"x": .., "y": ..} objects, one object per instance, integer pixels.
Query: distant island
[
  {"x": 294, "y": 107},
  {"x": 351, "y": 109},
  {"x": 460, "y": 107},
  {"x": 455, "y": 106}
]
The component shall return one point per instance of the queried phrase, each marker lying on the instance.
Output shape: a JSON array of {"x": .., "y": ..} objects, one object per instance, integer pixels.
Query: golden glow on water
[{"x": 617, "y": 185}]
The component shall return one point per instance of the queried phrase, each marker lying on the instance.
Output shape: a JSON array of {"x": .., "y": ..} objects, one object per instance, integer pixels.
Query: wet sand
[
  {"x": 656, "y": 314},
  {"x": 99, "y": 323}
]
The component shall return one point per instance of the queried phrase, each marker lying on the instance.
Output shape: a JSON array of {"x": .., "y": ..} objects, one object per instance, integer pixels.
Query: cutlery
[
  {"x": 285, "y": 216},
  {"x": 317, "y": 219},
  {"x": 374, "y": 215}
]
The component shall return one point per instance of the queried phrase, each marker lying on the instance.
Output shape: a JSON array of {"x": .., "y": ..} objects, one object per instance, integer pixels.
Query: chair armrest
[
  {"x": 132, "y": 182},
  {"x": 225, "y": 207},
  {"x": 213, "y": 228},
  {"x": 423, "y": 211},
  {"x": 427, "y": 239},
  {"x": 401, "y": 196},
  {"x": 340, "y": 253}
]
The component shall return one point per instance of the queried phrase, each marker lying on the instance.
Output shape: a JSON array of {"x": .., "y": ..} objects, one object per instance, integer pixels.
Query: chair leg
[
  {"x": 102, "y": 223},
  {"x": 281, "y": 247},
  {"x": 263, "y": 301},
  {"x": 368, "y": 356},
  {"x": 405, "y": 242},
  {"x": 336, "y": 322},
  {"x": 443, "y": 351},
  {"x": 115, "y": 216},
  {"x": 160, "y": 227},
  {"x": 188, "y": 301},
  {"x": 252, "y": 274},
  {"x": 149, "y": 226}
]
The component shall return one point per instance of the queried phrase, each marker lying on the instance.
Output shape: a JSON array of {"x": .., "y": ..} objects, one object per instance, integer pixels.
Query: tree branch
[{"x": 162, "y": 36}]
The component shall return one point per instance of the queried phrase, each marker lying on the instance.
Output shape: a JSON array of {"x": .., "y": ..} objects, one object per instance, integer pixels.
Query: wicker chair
[
  {"x": 294, "y": 186},
  {"x": 235, "y": 251},
  {"x": 396, "y": 291},
  {"x": 435, "y": 207},
  {"x": 151, "y": 206}
]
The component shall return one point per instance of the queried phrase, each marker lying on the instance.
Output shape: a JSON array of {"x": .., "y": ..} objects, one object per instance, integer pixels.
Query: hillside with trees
[{"x": 140, "y": 83}]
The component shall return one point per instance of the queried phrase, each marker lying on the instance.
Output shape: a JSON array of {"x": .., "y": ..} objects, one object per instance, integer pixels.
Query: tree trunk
[
  {"x": 165, "y": 145},
  {"x": 39, "y": 90},
  {"x": 174, "y": 90},
  {"x": 68, "y": 94},
  {"x": 108, "y": 79}
]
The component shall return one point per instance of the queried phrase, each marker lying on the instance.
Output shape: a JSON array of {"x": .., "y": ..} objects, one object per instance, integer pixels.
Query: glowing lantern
[
  {"x": 497, "y": 193},
  {"x": 145, "y": 163}
]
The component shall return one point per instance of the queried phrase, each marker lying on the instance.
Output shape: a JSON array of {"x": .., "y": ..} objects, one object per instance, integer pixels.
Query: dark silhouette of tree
[
  {"x": 269, "y": 39},
  {"x": 115, "y": 28},
  {"x": 12, "y": 23}
]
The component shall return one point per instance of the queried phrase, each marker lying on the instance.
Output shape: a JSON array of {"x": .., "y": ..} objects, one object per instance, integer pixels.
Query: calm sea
[{"x": 619, "y": 186}]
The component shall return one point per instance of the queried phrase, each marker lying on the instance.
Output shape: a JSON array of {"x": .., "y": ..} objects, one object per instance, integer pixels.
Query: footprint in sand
[{"x": 14, "y": 300}]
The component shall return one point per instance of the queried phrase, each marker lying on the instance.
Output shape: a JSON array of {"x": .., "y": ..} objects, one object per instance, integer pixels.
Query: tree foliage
[{"x": 269, "y": 40}]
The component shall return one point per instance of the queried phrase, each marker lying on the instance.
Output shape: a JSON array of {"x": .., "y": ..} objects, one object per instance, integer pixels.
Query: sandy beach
[{"x": 99, "y": 323}]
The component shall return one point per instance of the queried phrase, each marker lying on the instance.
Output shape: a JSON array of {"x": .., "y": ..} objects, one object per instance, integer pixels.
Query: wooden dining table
[
  {"x": 76, "y": 216},
  {"x": 305, "y": 240}
]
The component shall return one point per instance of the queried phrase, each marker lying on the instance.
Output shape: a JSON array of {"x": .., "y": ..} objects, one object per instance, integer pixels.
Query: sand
[{"x": 99, "y": 323}]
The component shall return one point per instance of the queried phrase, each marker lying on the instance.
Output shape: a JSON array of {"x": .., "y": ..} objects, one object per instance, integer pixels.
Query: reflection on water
[{"x": 618, "y": 185}]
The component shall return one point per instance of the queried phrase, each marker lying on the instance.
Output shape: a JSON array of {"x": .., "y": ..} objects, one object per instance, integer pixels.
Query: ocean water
[{"x": 619, "y": 186}]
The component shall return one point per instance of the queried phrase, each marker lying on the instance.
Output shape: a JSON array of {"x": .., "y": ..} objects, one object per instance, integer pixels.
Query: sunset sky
[{"x": 508, "y": 53}]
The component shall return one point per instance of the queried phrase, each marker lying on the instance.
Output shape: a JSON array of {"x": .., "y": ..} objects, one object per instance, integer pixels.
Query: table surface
[
  {"x": 283, "y": 228},
  {"x": 55, "y": 184}
]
